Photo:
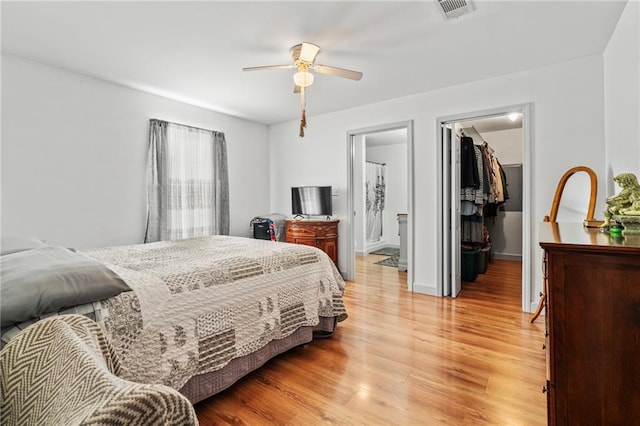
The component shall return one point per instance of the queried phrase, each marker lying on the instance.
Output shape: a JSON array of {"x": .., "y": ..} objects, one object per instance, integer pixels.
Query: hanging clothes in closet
[
  {"x": 469, "y": 175},
  {"x": 499, "y": 193},
  {"x": 483, "y": 190}
]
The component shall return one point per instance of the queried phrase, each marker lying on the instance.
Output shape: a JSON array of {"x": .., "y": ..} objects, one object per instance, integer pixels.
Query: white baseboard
[
  {"x": 376, "y": 246},
  {"x": 425, "y": 289},
  {"x": 506, "y": 256}
]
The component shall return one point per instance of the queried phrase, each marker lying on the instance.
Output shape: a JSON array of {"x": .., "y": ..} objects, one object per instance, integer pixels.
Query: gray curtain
[
  {"x": 187, "y": 182},
  {"x": 221, "y": 184}
]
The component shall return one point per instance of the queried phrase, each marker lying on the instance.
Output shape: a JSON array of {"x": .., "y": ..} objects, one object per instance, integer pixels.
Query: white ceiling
[{"x": 194, "y": 51}]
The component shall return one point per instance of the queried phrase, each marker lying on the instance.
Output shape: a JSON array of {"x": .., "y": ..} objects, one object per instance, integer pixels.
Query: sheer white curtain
[
  {"x": 187, "y": 179},
  {"x": 374, "y": 193}
]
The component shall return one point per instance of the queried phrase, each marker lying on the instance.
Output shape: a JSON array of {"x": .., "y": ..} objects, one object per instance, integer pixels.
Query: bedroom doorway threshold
[{"x": 355, "y": 140}]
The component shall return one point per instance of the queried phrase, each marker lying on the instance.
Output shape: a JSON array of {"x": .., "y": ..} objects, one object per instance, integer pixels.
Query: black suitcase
[{"x": 263, "y": 229}]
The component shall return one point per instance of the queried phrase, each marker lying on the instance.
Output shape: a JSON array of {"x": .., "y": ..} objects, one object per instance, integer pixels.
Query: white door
[
  {"x": 455, "y": 236},
  {"x": 446, "y": 209},
  {"x": 451, "y": 212}
]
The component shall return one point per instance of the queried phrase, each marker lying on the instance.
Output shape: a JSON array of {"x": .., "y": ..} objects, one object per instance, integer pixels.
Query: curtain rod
[
  {"x": 373, "y": 162},
  {"x": 186, "y": 125}
]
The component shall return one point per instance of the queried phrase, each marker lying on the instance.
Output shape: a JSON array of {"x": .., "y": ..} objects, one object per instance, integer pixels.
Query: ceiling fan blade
[
  {"x": 268, "y": 67},
  {"x": 308, "y": 52},
  {"x": 296, "y": 88},
  {"x": 339, "y": 72}
]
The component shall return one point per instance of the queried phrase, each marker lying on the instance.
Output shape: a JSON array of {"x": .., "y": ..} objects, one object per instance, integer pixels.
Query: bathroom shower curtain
[{"x": 375, "y": 192}]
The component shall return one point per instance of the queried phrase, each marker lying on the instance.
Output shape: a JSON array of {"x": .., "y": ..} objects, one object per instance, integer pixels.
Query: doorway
[
  {"x": 395, "y": 141},
  {"x": 452, "y": 258}
]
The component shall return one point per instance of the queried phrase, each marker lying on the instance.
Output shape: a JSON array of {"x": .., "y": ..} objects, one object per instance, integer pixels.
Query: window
[{"x": 187, "y": 182}]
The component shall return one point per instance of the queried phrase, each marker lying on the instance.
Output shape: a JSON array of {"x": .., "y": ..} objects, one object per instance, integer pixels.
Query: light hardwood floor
[{"x": 406, "y": 359}]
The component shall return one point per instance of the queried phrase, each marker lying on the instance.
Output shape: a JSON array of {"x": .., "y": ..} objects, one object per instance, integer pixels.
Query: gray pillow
[
  {"x": 10, "y": 245},
  {"x": 44, "y": 280}
]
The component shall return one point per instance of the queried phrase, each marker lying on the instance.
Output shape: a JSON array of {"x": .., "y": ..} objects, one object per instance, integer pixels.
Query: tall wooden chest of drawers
[
  {"x": 593, "y": 326},
  {"x": 318, "y": 233}
]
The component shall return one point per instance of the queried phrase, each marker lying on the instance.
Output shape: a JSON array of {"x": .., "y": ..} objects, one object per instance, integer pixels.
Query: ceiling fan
[{"x": 304, "y": 59}]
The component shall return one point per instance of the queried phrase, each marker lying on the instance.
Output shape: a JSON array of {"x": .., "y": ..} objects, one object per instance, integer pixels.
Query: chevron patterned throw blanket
[
  {"x": 62, "y": 371},
  {"x": 196, "y": 304}
]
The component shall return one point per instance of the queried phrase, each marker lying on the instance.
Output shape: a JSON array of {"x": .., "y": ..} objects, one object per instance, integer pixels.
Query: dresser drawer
[
  {"x": 307, "y": 242},
  {"x": 327, "y": 230},
  {"x": 295, "y": 231},
  {"x": 318, "y": 233}
]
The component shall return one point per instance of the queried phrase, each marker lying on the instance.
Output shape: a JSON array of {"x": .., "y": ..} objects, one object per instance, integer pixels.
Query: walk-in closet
[{"x": 491, "y": 160}]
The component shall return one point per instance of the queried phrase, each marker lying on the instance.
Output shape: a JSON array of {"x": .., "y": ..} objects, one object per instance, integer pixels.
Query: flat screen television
[{"x": 311, "y": 201}]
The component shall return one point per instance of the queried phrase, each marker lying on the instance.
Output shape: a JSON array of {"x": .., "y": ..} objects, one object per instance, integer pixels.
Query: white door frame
[
  {"x": 527, "y": 205},
  {"x": 350, "y": 269}
]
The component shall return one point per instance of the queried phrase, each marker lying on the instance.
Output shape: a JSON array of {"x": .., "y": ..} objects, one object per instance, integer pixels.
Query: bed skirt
[{"x": 205, "y": 385}]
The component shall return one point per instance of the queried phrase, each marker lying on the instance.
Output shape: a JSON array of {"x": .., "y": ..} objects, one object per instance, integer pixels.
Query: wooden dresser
[
  {"x": 318, "y": 233},
  {"x": 593, "y": 326}
]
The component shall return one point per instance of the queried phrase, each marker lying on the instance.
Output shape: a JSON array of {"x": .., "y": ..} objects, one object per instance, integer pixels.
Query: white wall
[
  {"x": 395, "y": 158},
  {"x": 622, "y": 97},
  {"x": 567, "y": 128},
  {"x": 74, "y": 156},
  {"x": 507, "y": 145}
]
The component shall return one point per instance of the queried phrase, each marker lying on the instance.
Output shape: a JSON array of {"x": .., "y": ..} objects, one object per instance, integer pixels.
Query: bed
[{"x": 194, "y": 314}]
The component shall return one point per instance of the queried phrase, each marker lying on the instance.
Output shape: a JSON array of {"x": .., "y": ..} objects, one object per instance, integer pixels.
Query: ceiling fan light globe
[{"x": 303, "y": 79}]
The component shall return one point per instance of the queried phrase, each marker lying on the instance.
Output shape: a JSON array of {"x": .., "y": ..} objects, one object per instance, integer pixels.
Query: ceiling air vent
[{"x": 454, "y": 8}]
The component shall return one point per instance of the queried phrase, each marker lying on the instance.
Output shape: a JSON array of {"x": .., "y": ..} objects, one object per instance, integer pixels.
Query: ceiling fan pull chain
[{"x": 303, "y": 117}]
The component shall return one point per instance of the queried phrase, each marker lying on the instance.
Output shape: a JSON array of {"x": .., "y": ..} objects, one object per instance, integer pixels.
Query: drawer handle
[
  {"x": 544, "y": 346},
  {"x": 544, "y": 389}
]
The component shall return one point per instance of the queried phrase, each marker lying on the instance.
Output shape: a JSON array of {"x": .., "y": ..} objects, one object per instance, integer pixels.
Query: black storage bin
[
  {"x": 469, "y": 264},
  {"x": 482, "y": 261}
]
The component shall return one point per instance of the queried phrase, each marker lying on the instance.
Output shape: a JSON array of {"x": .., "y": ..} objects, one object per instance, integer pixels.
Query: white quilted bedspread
[{"x": 198, "y": 303}]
